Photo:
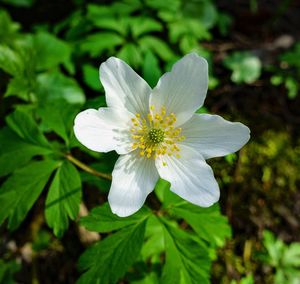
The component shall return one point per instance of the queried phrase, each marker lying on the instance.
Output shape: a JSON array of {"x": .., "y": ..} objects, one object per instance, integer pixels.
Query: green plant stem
[{"x": 86, "y": 168}]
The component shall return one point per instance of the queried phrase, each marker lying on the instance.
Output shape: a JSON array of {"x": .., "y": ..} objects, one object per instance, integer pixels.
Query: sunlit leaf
[
  {"x": 131, "y": 54},
  {"x": 95, "y": 44},
  {"x": 91, "y": 77},
  {"x": 63, "y": 198},
  {"x": 246, "y": 68},
  {"x": 19, "y": 192},
  {"x": 102, "y": 220},
  {"x": 143, "y": 25},
  {"x": 16, "y": 152},
  {"x": 187, "y": 260},
  {"x": 109, "y": 259},
  {"x": 51, "y": 51},
  {"x": 24, "y": 125},
  {"x": 55, "y": 86},
  {"x": 208, "y": 223},
  {"x": 151, "y": 69},
  {"x": 59, "y": 117},
  {"x": 157, "y": 45}
]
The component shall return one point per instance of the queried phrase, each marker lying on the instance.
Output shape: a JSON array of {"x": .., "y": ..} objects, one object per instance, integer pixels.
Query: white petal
[
  {"x": 104, "y": 130},
  {"x": 190, "y": 177},
  {"x": 183, "y": 90},
  {"x": 133, "y": 178},
  {"x": 214, "y": 136},
  {"x": 124, "y": 88}
]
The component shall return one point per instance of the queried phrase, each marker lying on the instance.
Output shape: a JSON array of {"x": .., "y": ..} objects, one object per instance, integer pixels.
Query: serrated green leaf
[
  {"x": 95, "y": 44},
  {"x": 143, "y": 25},
  {"x": 19, "y": 192},
  {"x": 108, "y": 260},
  {"x": 15, "y": 152},
  {"x": 154, "y": 240},
  {"x": 151, "y": 69},
  {"x": 8, "y": 28},
  {"x": 91, "y": 77},
  {"x": 10, "y": 61},
  {"x": 131, "y": 54},
  {"x": 291, "y": 256},
  {"x": 24, "y": 125},
  {"x": 102, "y": 220},
  {"x": 63, "y": 198},
  {"x": 20, "y": 87},
  {"x": 111, "y": 23},
  {"x": 246, "y": 68},
  {"x": 187, "y": 261},
  {"x": 208, "y": 223},
  {"x": 7, "y": 271},
  {"x": 51, "y": 51},
  {"x": 55, "y": 86},
  {"x": 158, "y": 46},
  {"x": 59, "y": 117}
]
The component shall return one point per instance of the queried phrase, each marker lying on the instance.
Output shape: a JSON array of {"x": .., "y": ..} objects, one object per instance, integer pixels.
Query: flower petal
[
  {"x": 134, "y": 177},
  {"x": 214, "y": 136},
  {"x": 104, "y": 130},
  {"x": 124, "y": 88},
  {"x": 183, "y": 90},
  {"x": 190, "y": 177}
]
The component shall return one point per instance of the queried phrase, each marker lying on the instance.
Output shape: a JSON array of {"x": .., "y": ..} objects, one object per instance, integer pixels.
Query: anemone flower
[{"x": 157, "y": 133}]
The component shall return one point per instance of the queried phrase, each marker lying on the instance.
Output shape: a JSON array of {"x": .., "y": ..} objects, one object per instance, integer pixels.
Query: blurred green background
[{"x": 50, "y": 52}]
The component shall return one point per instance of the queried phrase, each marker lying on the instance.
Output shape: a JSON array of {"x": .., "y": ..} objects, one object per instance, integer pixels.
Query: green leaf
[
  {"x": 151, "y": 69},
  {"x": 7, "y": 271},
  {"x": 10, "y": 61},
  {"x": 19, "y": 192},
  {"x": 224, "y": 23},
  {"x": 131, "y": 54},
  {"x": 59, "y": 117},
  {"x": 15, "y": 152},
  {"x": 154, "y": 244},
  {"x": 157, "y": 46},
  {"x": 291, "y": 256},
  {"x": 51, "y": 51},
  {"x": 187, "y": 260},
  {"x": 208, "y": 223},
  {"x": 91, "y": 77},
  {"x": 292, "y": 57},
  {"x": 108, "y": 260},
  {"x": 143, "y": 25},
  {"x": 102, "y": 220},
  {"x": 246, "y": 68},
  {"x": 55, "y": 86},
  {"x": 95, "y": 44},
  {"x": 275, "y": 248},
  {"x": 63, "y": 198},
  {"x": 19, "y": 3},
  {"x": 8, "y": 28},
  {"x": 24, "y": 125},
  {"x": 19, "y": 86},
  {"x": 165, "y": 195},
  {"x": 110, "y": 23},
  {"x": 292, "y": 86}
]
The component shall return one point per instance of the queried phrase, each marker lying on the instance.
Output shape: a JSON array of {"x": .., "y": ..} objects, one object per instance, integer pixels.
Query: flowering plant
[{"x": 158, "y": 134}]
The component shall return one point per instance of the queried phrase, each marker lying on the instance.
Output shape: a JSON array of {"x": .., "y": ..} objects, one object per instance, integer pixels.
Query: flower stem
[{"x": 86, "y": 168}]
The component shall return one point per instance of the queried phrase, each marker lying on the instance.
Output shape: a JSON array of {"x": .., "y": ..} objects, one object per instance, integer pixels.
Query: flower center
[{"x": 156, "y": 135}]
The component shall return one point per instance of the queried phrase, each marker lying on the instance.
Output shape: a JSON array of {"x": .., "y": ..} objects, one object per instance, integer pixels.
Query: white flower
[{"x": 157, "y": 133}]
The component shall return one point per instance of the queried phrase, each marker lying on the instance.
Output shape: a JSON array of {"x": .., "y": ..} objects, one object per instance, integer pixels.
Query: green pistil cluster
[{"x": 156, "y": 135}]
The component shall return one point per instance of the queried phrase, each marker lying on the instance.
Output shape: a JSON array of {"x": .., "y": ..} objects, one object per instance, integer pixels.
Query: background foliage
[{"x": 56, "y": 226}]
